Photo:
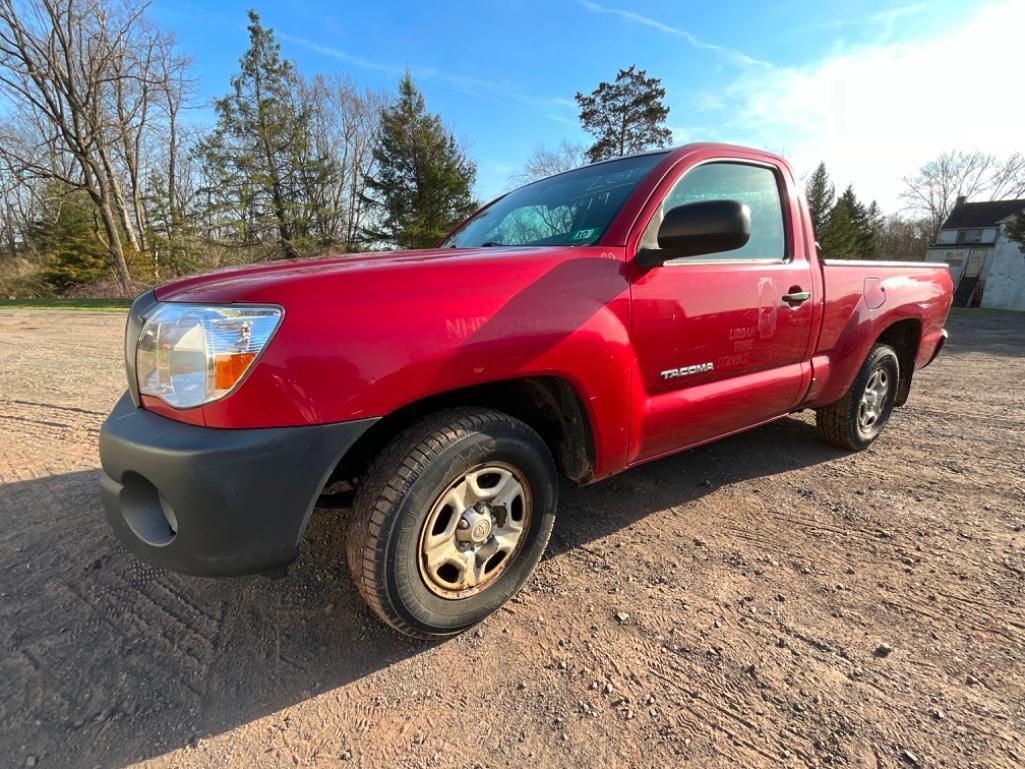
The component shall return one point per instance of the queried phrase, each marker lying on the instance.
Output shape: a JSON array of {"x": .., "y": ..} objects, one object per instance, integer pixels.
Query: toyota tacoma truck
[{"x": 580, "y": 325}]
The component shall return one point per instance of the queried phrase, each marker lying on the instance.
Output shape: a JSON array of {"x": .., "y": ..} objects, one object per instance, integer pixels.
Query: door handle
[{"x": 796, "y": 297}]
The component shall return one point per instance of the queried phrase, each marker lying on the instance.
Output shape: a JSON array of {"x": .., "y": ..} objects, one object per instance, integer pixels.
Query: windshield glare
[{"x": 571, "y": 209}]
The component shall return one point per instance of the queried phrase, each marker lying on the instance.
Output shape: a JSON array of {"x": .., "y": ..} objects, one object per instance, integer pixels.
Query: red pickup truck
[{"x": 581, "y": 325}]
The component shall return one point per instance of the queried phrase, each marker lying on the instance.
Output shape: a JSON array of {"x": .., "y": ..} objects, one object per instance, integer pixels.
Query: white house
[{"x": 987, "y": 267}]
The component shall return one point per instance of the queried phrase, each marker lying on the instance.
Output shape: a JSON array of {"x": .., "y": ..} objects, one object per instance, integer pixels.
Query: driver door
[{"x": 718, "y": 346}]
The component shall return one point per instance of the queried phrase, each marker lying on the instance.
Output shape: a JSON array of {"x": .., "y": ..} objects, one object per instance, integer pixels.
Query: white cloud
[
  {"x": 337, "y": 53},
  {"x": 889, "y": 17},
  {"x": 875, "y": 113},
  {"x": 562, "y": 119},
  {"x": 886, "y": 18},
  {"x": 503, "y": 89},
  {"x": 741, "y": 59}
]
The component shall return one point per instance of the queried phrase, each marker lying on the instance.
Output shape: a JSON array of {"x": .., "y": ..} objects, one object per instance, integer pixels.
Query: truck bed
[{"x": 862, "y": 299}]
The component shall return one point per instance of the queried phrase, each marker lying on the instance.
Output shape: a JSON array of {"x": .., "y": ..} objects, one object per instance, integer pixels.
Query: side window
[{"x": 755, "y": 185}]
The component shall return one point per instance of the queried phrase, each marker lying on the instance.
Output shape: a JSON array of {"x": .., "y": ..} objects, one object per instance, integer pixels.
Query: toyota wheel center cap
[{"x": 481, "y": 530}]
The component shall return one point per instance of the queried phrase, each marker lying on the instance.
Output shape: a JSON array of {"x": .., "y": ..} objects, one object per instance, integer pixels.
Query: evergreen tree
[
  {"x": 852, "y": 230},
  {"x": 171, "y": 235},
  {"x": 258, "y": 156},
  {"x": 1015, "y": 230},
  {"x": 819, "y": 193},
  {"x": 841, "y": 236},
  {"x": 66, "y": 235},
  {"x": 423, "y": 180},
  {"x": 870, "y": 227},
  {"x": 625, "y": 116}
]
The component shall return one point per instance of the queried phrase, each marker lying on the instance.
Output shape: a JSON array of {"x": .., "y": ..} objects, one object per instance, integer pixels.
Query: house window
[{"x": 969, "y": 236}]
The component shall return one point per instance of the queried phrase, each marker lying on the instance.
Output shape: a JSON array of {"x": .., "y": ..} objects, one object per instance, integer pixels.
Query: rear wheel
[
  {"x": 451, "y": 520},
  {"x": 858, "y": 418}
]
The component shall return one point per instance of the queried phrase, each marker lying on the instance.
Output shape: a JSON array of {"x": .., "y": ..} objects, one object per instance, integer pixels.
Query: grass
[{"x": 100, "y": 305}]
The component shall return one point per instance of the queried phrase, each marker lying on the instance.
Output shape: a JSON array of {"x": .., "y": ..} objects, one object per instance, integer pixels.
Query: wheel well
[
  {"x": 549, "y": 405},
  {"x": 904, "y": 337}
]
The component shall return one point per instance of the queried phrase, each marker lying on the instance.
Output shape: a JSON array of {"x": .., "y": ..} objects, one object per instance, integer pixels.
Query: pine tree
[
  {"x": 841, "y": 236},
  {"x": 625, "y": 116},
  {"x": 871, "y": 232},
  {"x": 1015, "y": 230},
  {"x": 171, "y": 234},
  {"x": 851, "y": 230},
  {"x": 423, "y": 180},
  {"x": 258, "y": 156},
  {"x": 868, "y": 224},
  {"x": 66, "y": 235},
  {"x": 819, "y": 194}
]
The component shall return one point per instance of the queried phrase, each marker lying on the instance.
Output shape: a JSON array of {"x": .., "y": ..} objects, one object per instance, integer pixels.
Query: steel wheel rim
[
  {"x": 474, "y": 530},
  {"x": 873, "y": 399}
]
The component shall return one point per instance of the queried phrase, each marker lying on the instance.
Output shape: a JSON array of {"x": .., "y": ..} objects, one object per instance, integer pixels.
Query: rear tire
[
  {"x": 451, "y": 520},
  {"x": 857, "y": 419}
]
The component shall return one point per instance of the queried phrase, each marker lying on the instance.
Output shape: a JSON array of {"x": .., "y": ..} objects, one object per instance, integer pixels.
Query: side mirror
[{"x": 705, "y": 227}]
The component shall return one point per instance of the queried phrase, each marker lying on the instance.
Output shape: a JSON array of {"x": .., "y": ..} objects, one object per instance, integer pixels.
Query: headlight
[{"x": 189, "y": 355}]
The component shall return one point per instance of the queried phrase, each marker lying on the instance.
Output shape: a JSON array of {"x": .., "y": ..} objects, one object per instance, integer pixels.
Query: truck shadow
[
  {"x": 593, "y": 512},
  {"x": 106, "y": 661}
]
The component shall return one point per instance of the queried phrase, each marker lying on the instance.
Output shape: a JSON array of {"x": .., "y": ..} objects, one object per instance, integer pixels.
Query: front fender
[{"x": 371, "y": 341}]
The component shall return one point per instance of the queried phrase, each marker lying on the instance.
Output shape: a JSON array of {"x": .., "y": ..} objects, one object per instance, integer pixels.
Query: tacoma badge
[{"x": 697, "y": 368}]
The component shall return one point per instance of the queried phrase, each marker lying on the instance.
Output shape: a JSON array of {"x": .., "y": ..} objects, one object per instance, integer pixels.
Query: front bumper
[{"x": 214, "y": 502}]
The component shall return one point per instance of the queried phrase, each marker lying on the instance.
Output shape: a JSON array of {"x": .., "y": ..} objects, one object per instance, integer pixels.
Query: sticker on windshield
[{"x": 585, "y": 234}]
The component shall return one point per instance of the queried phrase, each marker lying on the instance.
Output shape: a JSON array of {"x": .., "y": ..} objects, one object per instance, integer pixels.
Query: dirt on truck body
[{"x": 762, "y": 601}]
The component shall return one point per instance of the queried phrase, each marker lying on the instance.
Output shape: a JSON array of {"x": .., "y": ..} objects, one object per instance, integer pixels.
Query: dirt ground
[{"x": 763, "y": 601}]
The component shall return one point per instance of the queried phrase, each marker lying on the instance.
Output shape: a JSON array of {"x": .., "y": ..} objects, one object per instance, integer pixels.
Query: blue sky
[{"x": 874, "y": 88}]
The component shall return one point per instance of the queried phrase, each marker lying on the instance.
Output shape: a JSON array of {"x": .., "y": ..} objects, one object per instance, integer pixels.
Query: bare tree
[
  {"x": 543, "y": 161},
  {"x": 1008, "y": 178},
  {"x": 344, "y": 123},
  {"x": 905, "y": 239},
  {"x": 13, "y": 221},
  {"x": 133, "y": 102},
  {"x": 71, "y": 68},
  {"x": 361, "y": 121},
  {"x": 934, "y": 190},
  {"x": 161, "y": 183}
]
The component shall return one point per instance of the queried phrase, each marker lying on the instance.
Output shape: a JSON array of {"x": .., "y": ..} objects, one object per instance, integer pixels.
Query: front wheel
[
  {"x": 857, "y": 419},
  {"x": 451, "y": 520}
]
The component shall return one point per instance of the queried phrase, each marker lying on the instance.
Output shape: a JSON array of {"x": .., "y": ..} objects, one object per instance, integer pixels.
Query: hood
[{"x": 254, "y": 282}]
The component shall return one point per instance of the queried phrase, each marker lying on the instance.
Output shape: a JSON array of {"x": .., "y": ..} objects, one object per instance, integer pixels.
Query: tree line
[
  {"x": 104, "y": 175},
  {"x": 628, "y": 115},
  {"x": 848, "y": 229}
]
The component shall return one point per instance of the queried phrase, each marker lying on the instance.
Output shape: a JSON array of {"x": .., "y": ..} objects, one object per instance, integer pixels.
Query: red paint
[{"x": 366, "y": 334}]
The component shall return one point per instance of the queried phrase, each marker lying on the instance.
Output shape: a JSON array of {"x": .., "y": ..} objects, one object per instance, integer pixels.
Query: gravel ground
[{"x": 762, "y": 601}]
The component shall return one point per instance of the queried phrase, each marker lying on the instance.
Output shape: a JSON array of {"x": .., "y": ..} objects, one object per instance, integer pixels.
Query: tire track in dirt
[{"x": 757, "y": 577}]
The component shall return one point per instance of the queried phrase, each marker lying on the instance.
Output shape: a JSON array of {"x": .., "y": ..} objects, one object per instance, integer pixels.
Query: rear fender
[
  {"x": 861, "y": 304},
  {"x": 835, "y": 371}
]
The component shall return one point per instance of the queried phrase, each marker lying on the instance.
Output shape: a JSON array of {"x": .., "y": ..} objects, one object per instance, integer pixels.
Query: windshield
[{"x": 571, "y": 209}]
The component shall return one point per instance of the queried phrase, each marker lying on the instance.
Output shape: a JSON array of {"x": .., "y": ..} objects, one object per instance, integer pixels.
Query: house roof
[{"x": 974, "y": 215}]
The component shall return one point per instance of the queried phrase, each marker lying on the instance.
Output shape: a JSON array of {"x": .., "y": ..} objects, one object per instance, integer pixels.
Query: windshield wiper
[{"x": 490, "y": 244}]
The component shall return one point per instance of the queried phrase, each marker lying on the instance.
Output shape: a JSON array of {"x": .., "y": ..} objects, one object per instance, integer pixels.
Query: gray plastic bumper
[{"x": 214, "y": 502}]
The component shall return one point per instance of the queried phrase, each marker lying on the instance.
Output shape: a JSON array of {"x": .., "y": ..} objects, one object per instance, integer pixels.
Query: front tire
[
  {"x": 857, "y": 419},
  {"x": 451, "y": 520}
]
